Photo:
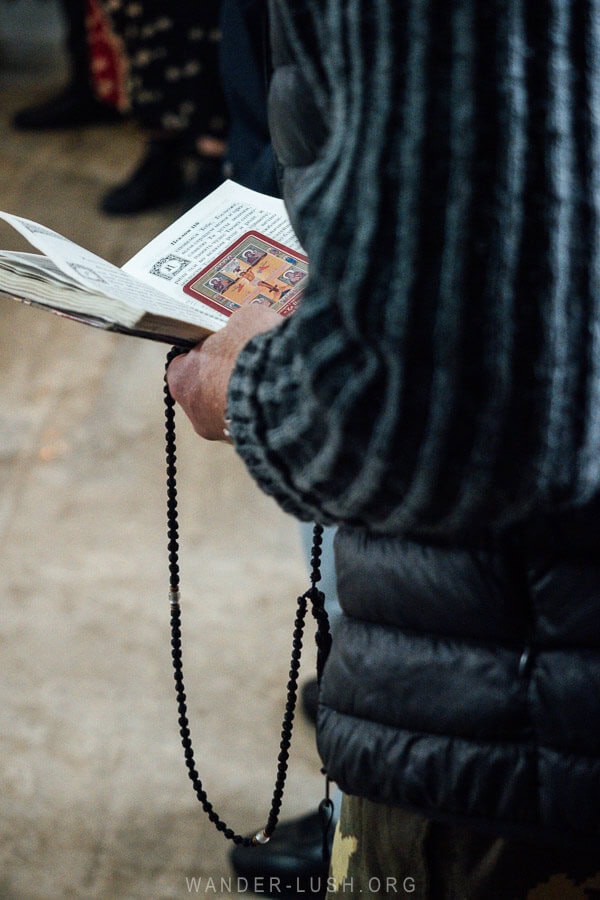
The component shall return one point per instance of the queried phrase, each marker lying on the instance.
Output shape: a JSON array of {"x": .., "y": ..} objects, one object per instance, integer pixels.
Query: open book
[{"x": 233, "y": 248}]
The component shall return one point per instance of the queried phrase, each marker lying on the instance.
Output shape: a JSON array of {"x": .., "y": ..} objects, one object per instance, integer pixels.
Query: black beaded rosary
[{"x": 322, "y": 637}]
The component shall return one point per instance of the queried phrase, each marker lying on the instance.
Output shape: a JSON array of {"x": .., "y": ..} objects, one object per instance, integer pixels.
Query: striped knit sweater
[{"x": 443, "y": 374}]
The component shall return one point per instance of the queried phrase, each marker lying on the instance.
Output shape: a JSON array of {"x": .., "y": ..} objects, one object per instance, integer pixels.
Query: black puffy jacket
[
  {"x": 466, "y": 684},
  {"x": 464, "y": 679}
]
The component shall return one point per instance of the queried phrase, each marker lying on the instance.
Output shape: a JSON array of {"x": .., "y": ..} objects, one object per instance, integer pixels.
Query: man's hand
[{"x": 198, "y": 380}]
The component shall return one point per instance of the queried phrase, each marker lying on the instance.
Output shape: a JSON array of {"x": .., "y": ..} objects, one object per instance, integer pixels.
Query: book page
[
  {"x": 100, "y": 278},
  {"x": 233, "y": 248},
  {"x": 43, "y": 278}
]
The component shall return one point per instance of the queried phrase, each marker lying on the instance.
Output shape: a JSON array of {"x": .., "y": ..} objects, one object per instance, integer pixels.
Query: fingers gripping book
[{"x": 235, "y": 247}]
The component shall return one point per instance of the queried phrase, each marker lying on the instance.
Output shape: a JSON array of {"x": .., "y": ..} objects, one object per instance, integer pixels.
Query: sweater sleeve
[{"x": 443, "y": 373}]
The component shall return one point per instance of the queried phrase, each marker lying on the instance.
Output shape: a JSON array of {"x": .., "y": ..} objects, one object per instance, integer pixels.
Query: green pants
[{"x": 383, "y": 851}]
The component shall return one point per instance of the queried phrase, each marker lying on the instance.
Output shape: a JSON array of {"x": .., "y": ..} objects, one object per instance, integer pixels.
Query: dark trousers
[{"x": 244, "y": 76}]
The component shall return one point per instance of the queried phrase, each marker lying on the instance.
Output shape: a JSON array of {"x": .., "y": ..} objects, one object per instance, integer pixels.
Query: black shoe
[
  {"x": 310, "y": 700},
  {"x": 291, "y": 864},
  {"x": 157, "y": 180},
  {"x": 71, "y": 108}
]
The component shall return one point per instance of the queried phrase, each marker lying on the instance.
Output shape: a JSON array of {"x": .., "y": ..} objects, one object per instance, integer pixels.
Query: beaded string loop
[{"x": 323, "y": 640}]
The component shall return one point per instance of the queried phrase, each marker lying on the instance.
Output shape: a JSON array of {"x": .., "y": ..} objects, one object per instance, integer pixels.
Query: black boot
[
  {"x": 157, "y": 180},
  {"x": 72, "y": 107}
]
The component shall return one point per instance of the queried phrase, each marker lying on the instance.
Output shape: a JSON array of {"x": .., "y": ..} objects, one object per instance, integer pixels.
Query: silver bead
[{"x": 261, "y": 837}]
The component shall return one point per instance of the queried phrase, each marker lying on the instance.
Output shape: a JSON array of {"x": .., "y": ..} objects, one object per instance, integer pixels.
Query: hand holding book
[{"x": 198, "y": 380}]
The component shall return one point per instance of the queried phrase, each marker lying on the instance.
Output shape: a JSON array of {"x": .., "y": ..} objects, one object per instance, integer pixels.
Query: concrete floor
[{"x": 94, "y": 796}]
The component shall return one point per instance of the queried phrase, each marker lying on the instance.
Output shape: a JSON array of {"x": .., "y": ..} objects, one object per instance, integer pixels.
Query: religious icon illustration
[{"x": 256, "y": 269}]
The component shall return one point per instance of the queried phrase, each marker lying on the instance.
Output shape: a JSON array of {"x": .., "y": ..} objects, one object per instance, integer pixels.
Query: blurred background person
[
  {"x": 159, "y": 63},
  {"x": 176, "y": 97}
]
